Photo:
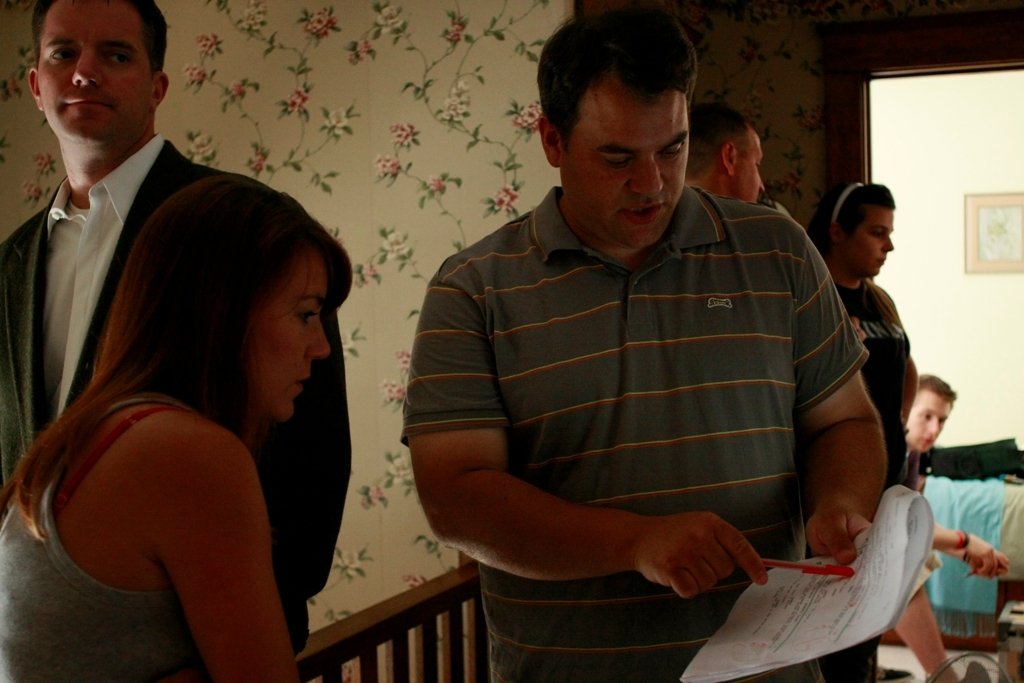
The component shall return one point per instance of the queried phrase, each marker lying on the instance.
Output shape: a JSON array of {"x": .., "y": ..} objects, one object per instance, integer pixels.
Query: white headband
[{"x": 842, "y": 198}]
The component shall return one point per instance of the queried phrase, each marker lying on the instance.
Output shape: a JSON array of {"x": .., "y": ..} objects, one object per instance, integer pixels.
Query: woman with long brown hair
[{"x": 135, "y": 543}]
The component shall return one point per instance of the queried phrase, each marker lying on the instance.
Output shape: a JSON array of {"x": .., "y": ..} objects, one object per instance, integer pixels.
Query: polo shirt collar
[{"x": 697, "y": 221}]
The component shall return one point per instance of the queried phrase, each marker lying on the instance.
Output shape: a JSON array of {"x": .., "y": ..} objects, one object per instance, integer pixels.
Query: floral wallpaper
[{"x": 406, "y": 127}]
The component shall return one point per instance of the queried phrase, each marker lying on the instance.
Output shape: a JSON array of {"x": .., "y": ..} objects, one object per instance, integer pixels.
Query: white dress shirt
[{"x": 80, "y": 246}]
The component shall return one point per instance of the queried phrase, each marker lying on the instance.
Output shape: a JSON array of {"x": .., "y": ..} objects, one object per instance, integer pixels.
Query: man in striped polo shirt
[{"x": 621, "y": 401}]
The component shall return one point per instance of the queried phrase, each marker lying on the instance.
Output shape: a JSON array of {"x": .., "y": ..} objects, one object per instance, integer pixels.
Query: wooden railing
[{"x": 433, "y": 633}]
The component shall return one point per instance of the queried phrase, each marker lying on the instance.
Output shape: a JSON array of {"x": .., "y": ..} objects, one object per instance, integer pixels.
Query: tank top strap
[{"x": 70, "y": 484}]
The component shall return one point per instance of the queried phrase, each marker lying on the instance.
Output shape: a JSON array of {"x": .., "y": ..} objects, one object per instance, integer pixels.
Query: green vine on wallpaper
[
  {"x": 347, "y": 567},
  {"x": 397, "y": 475},
  {"x": 10, "y": 86},
  {"x": 454, "y": 109},
  {"x": 451, "y": 109},
  {"x": 749, "y": 83},
  {"x": 41, "y": 184},
  {"x": 316, "y": 26},
  {"x": 448, "y": 103}
]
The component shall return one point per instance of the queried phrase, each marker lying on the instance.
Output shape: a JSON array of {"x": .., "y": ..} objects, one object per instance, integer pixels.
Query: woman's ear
[{"x": 835, "y": 233}]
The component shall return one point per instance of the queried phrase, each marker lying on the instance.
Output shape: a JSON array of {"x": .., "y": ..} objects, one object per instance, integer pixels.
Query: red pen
[{"x": 828, "y": 569}]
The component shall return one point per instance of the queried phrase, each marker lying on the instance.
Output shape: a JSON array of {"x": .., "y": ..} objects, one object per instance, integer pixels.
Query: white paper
[{"x": 796, "y": 617}]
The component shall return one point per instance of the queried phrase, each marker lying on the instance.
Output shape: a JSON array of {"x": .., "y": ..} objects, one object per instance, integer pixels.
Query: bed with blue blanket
[{"x": 968, "y": 606}]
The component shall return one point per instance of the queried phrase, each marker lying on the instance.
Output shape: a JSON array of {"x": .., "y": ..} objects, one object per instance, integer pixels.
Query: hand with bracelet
[{"x": 983, "y": 559}]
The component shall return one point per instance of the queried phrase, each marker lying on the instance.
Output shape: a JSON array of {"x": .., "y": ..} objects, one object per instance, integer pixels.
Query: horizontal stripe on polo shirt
[{"x": 668, "y": 389}]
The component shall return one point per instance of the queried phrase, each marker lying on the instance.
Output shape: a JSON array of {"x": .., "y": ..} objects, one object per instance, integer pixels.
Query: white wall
[{"x": 935, "y": 139}]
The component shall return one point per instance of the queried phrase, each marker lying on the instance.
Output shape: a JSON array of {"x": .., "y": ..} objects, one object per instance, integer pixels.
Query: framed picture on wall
[{"x": 995, "y": 233}]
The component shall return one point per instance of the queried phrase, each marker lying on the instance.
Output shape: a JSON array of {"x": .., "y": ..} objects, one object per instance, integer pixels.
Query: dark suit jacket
[{"x": 304, "y": 466}]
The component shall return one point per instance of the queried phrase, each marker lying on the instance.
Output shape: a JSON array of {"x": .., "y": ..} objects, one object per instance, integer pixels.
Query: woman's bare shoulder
[{"x": 177, "y": 456}]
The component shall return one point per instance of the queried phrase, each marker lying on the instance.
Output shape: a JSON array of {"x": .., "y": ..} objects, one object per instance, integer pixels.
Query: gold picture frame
[{"x": 994, "y": 233}]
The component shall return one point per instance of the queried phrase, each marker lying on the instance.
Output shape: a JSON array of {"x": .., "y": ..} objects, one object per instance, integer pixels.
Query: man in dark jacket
[{"x": 99, "y": 79}]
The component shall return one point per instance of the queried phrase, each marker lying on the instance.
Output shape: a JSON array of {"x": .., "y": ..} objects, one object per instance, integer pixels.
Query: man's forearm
[
  {"x": 510, "y": 525},
  {"x": 846, "y": 464},
  {"x": 475, "y": 505}
]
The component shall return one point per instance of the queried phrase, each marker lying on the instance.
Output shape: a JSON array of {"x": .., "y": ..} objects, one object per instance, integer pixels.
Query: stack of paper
[{"x": 796, "y": 617}]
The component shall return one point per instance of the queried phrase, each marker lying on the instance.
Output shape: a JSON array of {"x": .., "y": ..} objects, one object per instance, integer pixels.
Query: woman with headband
[{"x": 852, "y": 229}]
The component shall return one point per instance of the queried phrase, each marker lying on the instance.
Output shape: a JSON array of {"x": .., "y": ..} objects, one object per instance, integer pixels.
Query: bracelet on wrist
[{"x": 963, "y": 539}]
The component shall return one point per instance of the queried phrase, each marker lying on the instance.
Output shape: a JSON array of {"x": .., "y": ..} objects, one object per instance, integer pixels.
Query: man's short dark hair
[
  {"x": 937, "y": 386},
  {"x": 154, "y": 29},
  {"x": 645, "y": 48},
  {"x": 712, "y": 124}
]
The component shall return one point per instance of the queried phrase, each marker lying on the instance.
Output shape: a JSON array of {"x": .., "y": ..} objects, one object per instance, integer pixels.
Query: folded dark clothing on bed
[{"x": 976, "y": 461}]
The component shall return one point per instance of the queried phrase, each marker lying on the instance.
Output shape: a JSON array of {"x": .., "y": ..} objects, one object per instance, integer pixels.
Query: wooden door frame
[{"x": 855, "y": 53}]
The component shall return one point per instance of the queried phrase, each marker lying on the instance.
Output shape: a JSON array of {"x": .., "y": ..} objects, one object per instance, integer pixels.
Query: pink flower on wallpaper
[
  {"x": 349, "y": 339},
  {"x": 335, "y": 123},
  {"x": 359, "y": 51},
  {"x": 10, "y": 88},
  {"x": 387, "y": 166},
  {"x": 404, "y": 358},
  {"x": 456, "y": 105},
  {"x": 751, "y": 50},
  {"x": 692, "y": 14},
  {"x": 399, "y": 471},
  {"x": 436, "y": 184},
  {"x": 371, "y": 496},
  {"x": 44, "y": 163},
  {"x": 238, "y": 90},
  {"x": 255, "y": 16},
  {"x": 413, "y": 580},
  {"x": 820, "y": 9},
  {"x": 404, "y": 135},
  {"x": 790, "y": 183},
  {"x": 454, "y": 32},
  {"x": 527, "y": 117},
  {"x": 350, "y": 564},
  {"x": 209, "y": 44},
  {"x": 389, "y": 18},
  {"x": 455, "y": 110},
  {"x": 258, "y": 161},
  {"x": 194, "y": 75},
  {"x": 810, "y": 119},
  {"x": 201, "y": 147},
  {"x": 320, "y": 24},
  {"x": 765, "y": 12},
  {"x": 506, "y": 199},
  {"x": 364, "y": 274},
  {"x": 296, "y": 103},
  {"x": 392, "y": 391},
  {"x": 31, "y": 191},
  {"x": 395, "y": 245}
]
